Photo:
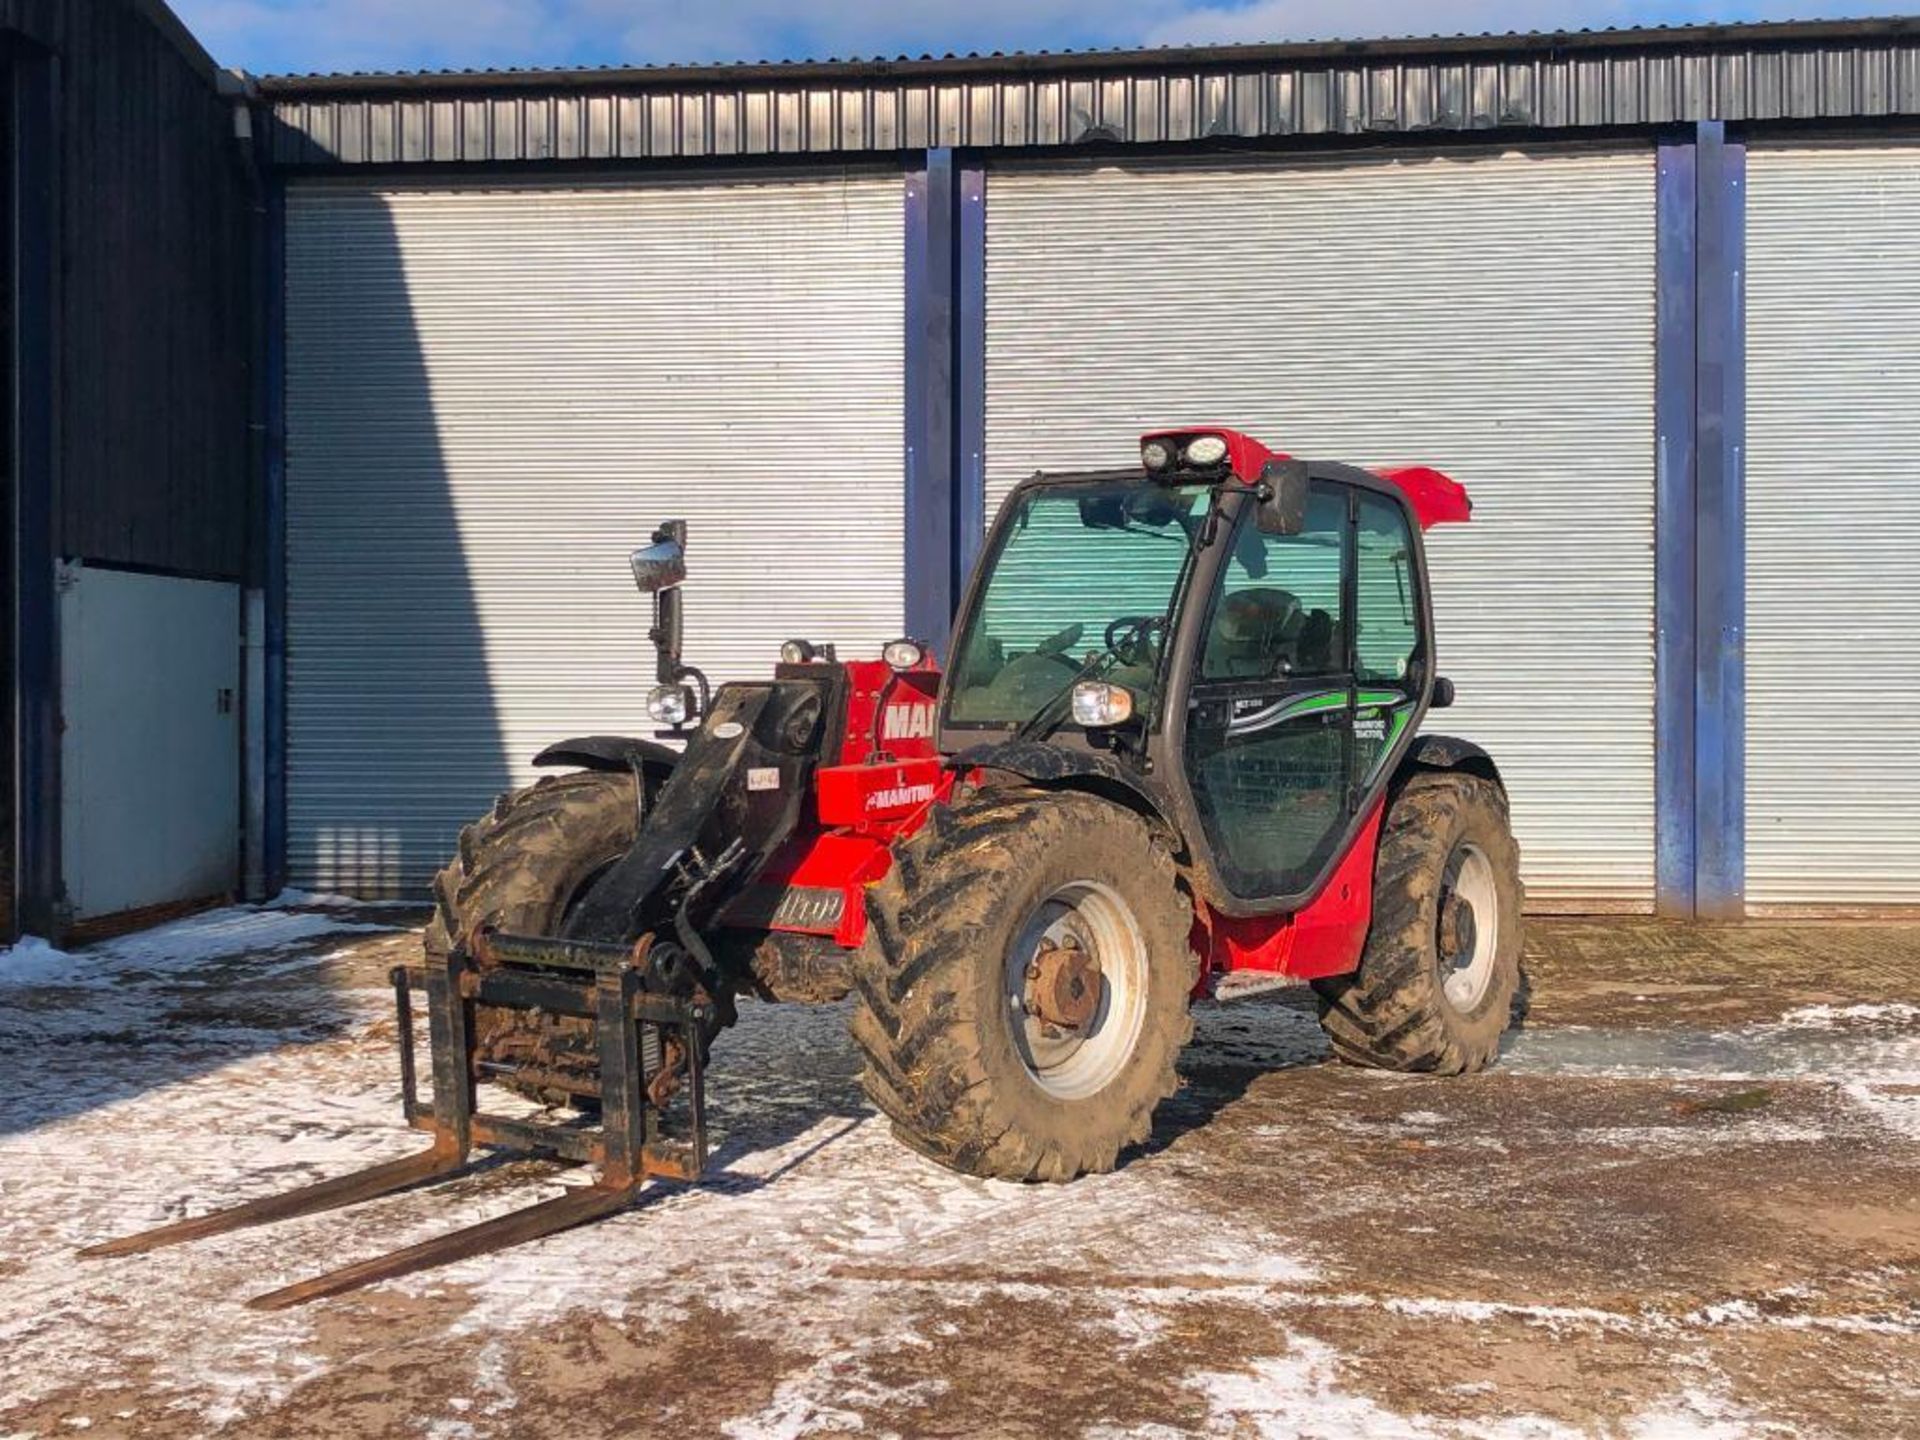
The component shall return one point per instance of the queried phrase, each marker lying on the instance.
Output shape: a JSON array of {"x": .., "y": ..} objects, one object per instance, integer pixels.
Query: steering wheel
[{"x": 1135, "y": 639}]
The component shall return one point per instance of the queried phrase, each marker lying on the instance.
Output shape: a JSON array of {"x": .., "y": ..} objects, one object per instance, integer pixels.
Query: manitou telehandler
[{"x": 1178, "y": 738}]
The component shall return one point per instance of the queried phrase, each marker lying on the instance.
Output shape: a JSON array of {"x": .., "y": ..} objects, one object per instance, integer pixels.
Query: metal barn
[{"x": 1649, "y": 294}]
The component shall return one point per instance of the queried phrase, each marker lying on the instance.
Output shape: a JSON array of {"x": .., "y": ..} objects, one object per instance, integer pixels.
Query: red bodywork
[
  {"x": 890, "y": 776},
  {"x": 1437, "y": 499}
]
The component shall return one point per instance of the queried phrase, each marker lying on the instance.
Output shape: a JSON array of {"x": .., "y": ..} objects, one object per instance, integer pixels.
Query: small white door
[{"x": 150, "y": 758}]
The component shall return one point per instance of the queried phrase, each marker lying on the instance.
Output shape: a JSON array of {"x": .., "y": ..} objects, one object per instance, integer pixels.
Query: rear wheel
[
  {"x": 520, "y": 869},
  {"x": 1436, "y": 985},
  {"x": 1024, "y": 986}
]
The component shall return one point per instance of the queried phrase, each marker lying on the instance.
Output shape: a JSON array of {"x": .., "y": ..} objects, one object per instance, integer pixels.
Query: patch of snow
[
  {"x": 814, "y": 1400},
  {"x": 33, "y": 961},
  {"x": 291, "y": 899},
  {"x": 170, "y": 950},
  {"x": 1896, "y": 1109},
  {"x": 1691, "y": 1415},
  {"x": 1297, "y": 1397},
  {"x": 1836, "y": 1017}
]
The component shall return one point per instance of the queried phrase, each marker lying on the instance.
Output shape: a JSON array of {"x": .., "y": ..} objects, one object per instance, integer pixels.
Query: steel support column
[
  {"x": 946, "y": 365},
  {"x": 272, "y": 351},
  {"x": 931, "y": 375},
  {"x": 971, "y": 318},
  {"x": 1720, "y": 532},
  {"x": 36, "y": 492},
  {"x": 1700, "y": 588},
  {"x": 1677, "y": 449}
]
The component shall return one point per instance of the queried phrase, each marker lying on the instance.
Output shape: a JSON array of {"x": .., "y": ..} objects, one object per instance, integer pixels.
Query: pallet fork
[{"x": 648, "y": 1044}]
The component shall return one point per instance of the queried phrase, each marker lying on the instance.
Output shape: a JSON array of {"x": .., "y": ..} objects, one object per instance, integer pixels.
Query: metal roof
[{"x": 1546, "y": 81}]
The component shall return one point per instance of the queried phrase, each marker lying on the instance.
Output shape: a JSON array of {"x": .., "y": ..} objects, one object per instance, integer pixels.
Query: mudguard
[
  {"x": 1055, "y": 767},
  {"x": 618, "y": 753},
  {"x": 1445, "y": 752}
]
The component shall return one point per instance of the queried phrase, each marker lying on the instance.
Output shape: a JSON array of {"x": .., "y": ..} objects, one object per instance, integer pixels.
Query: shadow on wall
[{"x": 394, "y": 740}]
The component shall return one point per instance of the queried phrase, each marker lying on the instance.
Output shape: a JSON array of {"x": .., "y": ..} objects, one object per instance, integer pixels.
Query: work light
[
  {"x": 797, "y": 652},
  {"x": 1157, "y": 456},
  {"x": 1097, "y": 705},
  {"x": 1206, "y": 451},
  {"x": 904, "y": 654},
  {"x": 670, "y": 704}
]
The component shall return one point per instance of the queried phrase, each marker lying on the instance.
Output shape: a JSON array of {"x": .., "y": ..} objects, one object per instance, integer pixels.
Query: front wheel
[
  {"x": 521, "y": 868},
  {"x": 1436, "y": 984},
  {"x": 1024, "y": 986}
]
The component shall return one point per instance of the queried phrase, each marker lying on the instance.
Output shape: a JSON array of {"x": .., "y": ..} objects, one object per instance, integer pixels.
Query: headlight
[
  {"x": 1157, "y": 456},
  {"x": 1097, "y": 705},
  {"x": 1206, "y": 451},
  {"x": 904, "y": 654},
  {"x": 670, "y": 704},
  {"x": 797, "y": 652}
]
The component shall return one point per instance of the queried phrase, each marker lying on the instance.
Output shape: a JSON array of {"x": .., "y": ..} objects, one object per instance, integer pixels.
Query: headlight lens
[
  {"x": 904, "y": 654},
  {"x": 670, "y": 704},
  {"x": 1157, "y": 456},
  {"x": 797, "y": 652},
  {"x": 1206, "y": 451},
  {"x": 1097, "y": 705}
]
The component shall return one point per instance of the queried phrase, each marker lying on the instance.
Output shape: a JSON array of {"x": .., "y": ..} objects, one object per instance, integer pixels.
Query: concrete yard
[{"x": 1687, "y": 1204}]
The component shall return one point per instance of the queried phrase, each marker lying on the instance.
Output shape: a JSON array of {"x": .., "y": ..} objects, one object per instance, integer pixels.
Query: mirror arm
[{"x": 666, "y": 635}]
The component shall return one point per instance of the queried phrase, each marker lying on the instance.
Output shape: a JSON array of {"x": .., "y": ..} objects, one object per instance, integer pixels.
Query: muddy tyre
[
  {"x": 519, "y": 869},
  {"x": 1436, "y": 985},
  {"x": 1024, "y": 986}
]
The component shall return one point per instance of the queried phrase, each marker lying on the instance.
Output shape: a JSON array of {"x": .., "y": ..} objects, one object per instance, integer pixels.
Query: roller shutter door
[
  {"x": 1833, "y": 528},
  {"x": 1489, "y": 313},
  {"x": 494, "y": 394}
]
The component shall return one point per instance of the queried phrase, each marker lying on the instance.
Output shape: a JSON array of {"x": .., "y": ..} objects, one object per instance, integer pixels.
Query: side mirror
[
  {"x": 660, "y": 566},
  {"x": 1284, "y": 510}
]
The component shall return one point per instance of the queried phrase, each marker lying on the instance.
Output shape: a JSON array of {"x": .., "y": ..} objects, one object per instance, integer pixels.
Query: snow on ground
[{"x": 148, "y": 1080}]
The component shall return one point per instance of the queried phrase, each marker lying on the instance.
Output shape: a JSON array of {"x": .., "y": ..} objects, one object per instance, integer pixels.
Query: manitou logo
[
  {"x": 900, "y": 798},
  {"x": 908, "y": 722}
]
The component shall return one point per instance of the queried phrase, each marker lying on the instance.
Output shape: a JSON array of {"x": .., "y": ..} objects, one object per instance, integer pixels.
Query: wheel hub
[
  {"x": 1063, "y": 986},
  {"x": 1468, "y": 932},
  {"x": 1076, "y": 984},
  {"x": 1457, "y": 930}
]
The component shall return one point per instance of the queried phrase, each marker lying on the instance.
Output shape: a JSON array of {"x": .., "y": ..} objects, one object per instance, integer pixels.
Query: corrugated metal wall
[
  {"x": 493, "y": 394},
  {"x": 1492, "y": 314},
  {"x": 156, "y": 300},
  {"x": 1833, "y": 526},
  {"x": 1371, "y": 88}
]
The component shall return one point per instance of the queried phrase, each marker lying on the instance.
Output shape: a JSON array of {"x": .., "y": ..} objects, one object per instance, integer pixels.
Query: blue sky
[{"x": 272, "y": 36}]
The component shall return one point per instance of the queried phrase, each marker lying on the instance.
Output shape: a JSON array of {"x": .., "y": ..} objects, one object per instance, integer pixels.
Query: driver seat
[{"x": 1253, "y": 631}]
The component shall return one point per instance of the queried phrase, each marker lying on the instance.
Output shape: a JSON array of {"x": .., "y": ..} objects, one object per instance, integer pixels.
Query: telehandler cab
[{"x": 1179, "y": 737}]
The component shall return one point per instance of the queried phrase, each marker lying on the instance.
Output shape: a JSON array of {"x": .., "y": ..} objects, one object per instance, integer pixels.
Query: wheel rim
[
  {"x": 1469, "y": 927},
  {"x": 1077, "y": 924}
]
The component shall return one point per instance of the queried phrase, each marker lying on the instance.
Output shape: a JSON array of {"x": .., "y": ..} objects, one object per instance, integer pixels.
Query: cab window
[
  {"x": 1277, "y": 611},
  {"x": 1387, "y": 628}
]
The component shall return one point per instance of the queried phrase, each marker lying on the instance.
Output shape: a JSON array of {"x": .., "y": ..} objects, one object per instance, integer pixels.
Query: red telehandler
[{"x": 1180, "y": 736}]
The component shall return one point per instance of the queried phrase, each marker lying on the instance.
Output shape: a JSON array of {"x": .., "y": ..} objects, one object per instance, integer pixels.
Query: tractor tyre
[
  {"x": 1436, "y": 985},
  {"x": 1024, "y": 985},
  {"x": 520, "y": 869}
]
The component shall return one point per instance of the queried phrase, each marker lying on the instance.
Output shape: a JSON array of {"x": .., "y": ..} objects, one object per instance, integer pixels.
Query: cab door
[{"x": 1270, "y": 724}]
